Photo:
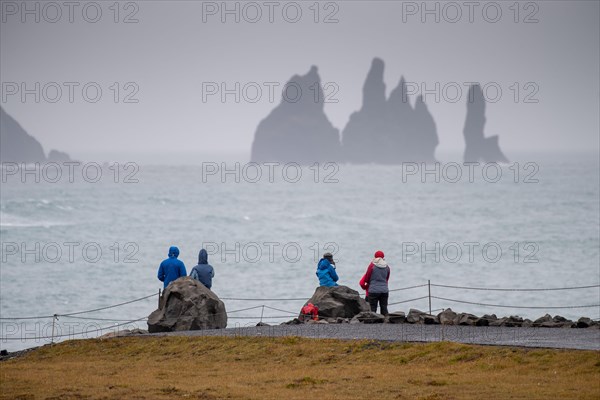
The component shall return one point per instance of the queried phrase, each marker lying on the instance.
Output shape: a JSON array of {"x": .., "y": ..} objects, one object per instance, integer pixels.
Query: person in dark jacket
[
  {"x": 203, "y": 272},
  {"x": 376, "y": 283},
  {"x": 171, "y": 268},
  {"x": 326, "y": 271}
]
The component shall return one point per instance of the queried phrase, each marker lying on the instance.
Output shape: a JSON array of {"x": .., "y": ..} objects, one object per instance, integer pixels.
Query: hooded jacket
[
  {"x": 377, "y": 276},
  {"x": 203, "y": 272},
  {"x": 326, "y": 273},
  {"x": 171, "y": 268}
]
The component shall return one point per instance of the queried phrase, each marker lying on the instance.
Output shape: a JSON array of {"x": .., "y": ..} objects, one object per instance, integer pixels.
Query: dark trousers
[{"x": 382, "y": 298}]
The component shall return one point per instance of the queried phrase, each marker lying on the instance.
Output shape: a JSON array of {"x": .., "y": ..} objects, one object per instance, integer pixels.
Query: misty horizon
[{"x": 548, "y": 76}]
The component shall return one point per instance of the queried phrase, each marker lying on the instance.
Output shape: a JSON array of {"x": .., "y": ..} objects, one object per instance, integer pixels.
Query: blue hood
[
  {"x": 203, "y": 257},
  {"x": 173, "y": 252}
]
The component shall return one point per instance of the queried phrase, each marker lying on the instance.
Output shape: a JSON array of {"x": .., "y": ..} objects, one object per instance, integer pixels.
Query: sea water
[{"x": 85, "y": 241}]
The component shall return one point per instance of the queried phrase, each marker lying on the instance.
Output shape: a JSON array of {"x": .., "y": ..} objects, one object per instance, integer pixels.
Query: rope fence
[
  {"x": 81, "y": 312},
  {"x": 514, "y": 289},
  {"x": 287, "y": 313},
  {"x": 523, "y": 307},
  {"x": 71, "y": 335}
]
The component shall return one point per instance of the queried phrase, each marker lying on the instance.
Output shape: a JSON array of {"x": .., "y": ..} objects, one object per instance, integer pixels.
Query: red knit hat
[{"x": 379, "y": 254}]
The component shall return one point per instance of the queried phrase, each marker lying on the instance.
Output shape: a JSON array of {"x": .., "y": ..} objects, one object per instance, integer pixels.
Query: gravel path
[{"x": 556, "y": 338}]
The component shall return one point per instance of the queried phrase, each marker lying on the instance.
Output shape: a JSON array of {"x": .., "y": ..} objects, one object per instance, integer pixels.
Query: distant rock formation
[
  {"x": 16, "y": 145},
  {"x": 298, "y": 130},
  {"x": 187, "y": 305},
  {"x": 383, "y": 131},
  {"x": 58, "y": 156},
  {"x": 477, "y": 146},
  {"x": 389, "y": 131}
]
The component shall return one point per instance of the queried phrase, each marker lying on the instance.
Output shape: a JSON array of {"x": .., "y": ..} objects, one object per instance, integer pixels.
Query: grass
[{"x": 212, "y": 368}]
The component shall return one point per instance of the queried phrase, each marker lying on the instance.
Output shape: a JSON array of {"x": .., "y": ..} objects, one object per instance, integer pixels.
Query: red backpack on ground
[{"x": 309, "y": 311}]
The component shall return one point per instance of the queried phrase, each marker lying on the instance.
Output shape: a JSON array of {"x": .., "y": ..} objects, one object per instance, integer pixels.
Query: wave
[{"x": 15, "y": 221}]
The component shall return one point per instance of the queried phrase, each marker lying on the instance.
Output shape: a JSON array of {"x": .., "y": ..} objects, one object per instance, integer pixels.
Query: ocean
[{"x": 94, "y": 236}]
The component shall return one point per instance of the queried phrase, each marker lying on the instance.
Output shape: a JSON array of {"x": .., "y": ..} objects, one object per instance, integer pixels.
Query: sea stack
[
  {"x": 477, "y": 146},
  {"x": 389, "y": 131},
  {"x": 298, "y": 130}
]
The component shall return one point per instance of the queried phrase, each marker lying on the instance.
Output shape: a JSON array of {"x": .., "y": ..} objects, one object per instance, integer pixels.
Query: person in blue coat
[
  {"x": 326, "y": 271},
  {"x": 203, "y": 272},
  {"x": 171, "y": 268}
]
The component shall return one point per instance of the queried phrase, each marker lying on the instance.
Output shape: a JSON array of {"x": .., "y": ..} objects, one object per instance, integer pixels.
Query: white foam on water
[{"x": 14, "y": 221}]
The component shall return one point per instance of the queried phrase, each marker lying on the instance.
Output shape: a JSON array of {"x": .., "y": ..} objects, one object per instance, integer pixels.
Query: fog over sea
[{"x": 264, "y": 238}]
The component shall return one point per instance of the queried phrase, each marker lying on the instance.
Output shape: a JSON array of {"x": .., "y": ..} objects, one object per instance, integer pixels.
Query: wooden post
[
  {"x": 54, "y": 319},
  {"x": 429, "y": 289}
]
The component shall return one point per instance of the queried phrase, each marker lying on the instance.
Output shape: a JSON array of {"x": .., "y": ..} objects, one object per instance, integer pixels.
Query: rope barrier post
[
  {"x": 442, "y": 336},
  {"x": 429, "y": 289},
  {"x": 54, "y": 319},
  {"x": 159, "y": 292},
  {"x": 261, "y": 313}
]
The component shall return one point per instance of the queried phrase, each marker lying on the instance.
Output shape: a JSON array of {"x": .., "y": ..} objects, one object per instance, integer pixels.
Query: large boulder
[
  {"x": 448, "y": 317},
  {"x": 584, "y": 322},
  {"x": 545, "y": 321},
  {"x": 338, "y": 301},
  {"x": 467, "y": 319},
  {"x": 415, "y": 316},
  {"x": 187, "y": 305}
]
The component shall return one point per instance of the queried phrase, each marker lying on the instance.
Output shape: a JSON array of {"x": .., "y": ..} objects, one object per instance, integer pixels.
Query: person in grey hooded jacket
[
  {"x": 376, "y": 282},
  {"x": 203, "y": 272}
]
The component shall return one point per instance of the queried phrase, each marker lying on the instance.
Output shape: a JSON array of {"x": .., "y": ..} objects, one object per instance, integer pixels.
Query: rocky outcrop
[
  {"x": 16, "y": 145},
  {"x": 369, "y": 317},
  {"x": 477, "y": 146},
  {"x": 467, "y": 319},
  {"x": 298, "y": 130},
  {"x": 389, "y": 131},
  {"x": 419, "y": 317},
  {"x": 584, "y": 322},
  {"x": 547, "y": 321},
  {"x": 187, "y": 305},
  {"x": 448, "y": 317},
  {"x": 396, "y": 317},
  {"x": 338, "y": 302}
]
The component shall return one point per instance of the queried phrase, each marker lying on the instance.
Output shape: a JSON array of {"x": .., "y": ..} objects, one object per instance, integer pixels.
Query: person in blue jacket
[
  {"x": 203, "y": 272},
  {"x": 171, "y": 268},
  {"x": 326, "y": 271}
]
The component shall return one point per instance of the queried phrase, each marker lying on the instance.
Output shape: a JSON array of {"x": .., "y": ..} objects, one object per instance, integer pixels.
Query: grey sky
[{"x": 171, "y": 52}]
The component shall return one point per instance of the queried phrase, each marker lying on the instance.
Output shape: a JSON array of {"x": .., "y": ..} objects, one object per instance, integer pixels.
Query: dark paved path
[{"x": 558, "y": 338}]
